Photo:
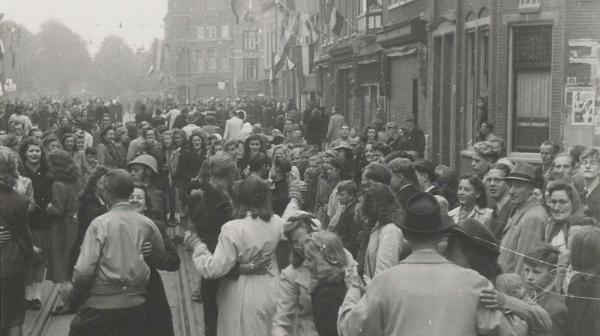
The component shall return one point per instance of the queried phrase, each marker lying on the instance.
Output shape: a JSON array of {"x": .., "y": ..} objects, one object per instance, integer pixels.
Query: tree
[
  {"x": 116, "y": 68},
  {"x": 62, "y": 60}
]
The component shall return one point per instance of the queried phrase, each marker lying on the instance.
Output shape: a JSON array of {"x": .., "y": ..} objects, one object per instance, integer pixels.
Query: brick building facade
[{"x": 528, "y": 67}]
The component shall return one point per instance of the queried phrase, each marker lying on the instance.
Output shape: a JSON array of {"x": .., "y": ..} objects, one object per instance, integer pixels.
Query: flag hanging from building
[
  {"x": 287, "y": 39},
  {"x": 336, "y": 22},
  {"x": 234, "y": 11},
  {"x": 1, "y": 49},
  {"x": 157, "y": 57}
]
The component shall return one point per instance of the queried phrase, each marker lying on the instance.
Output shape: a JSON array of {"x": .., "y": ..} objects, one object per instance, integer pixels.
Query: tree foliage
[
  {"x": 116, "y": 68},
  {"x": 61, "y": 60}
]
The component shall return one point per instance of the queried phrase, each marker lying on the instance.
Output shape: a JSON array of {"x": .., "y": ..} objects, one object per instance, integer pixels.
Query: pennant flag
[
  {"x": 234, "y": 11},
  {"x": 290, "y": 64},
  {"x": 159, "y": 54},
  {"x": 336, "y": 22}
]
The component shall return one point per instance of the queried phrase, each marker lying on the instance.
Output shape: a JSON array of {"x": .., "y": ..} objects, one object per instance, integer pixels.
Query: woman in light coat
[
  {"x": 382, "y": 242},
  {"x": 246, "y": 303}
]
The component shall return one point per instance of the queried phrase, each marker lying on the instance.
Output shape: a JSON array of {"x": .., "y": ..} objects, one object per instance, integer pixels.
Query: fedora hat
[
  {"x": 522, "y": 172},
  {"x": 479, "y": 234},
  {"x": 423, "y": 215}
]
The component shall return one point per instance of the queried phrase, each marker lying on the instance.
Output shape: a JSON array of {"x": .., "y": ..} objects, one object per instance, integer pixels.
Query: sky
[{"x": 138, "y": 22}]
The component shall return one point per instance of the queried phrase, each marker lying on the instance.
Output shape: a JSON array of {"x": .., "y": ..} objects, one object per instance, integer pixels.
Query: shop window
[{"x": 531, "y": 86}]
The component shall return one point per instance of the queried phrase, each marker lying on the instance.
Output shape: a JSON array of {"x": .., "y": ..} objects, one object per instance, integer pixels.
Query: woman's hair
[
  {"x": 378, "y": 173},
  {"x": 61, "y": 167},
  {"x": 202, "y": 135},
  {"x": 293, "y": 223},
  {"x": 103, "y": 133},
  {"x": 146, "y": 129},
  {"x": 575, "y": 153},
  {"x": 330, "y": 247},
  {"x": 24, "y": 147},
  {"x": 509, "y": 284},
  {"x": 382, "y": 148},
  {"x": 65, "y": 137},
  {"x": 253, "y": 197},
  {"x": 8, "y": 168},
  {"x": 284, "y": 148},
  {"x": 366, "y": 132},
  {"x": 380, "y": 204},
  {"x": 119, "y": 132},
  {"x": 184, "y": 139},
  {"x": 229, "y": 143},
  {"x": 253, "y": 137},
  {"x": 571, "y": 192},
  {"x": 92, "y": 181},
  {"x": 585, "y": 249},
  {"x": 147, "y": 198},
  {"x": 49, "y": 139},
  {"x": 348, "y": 186},
  {"x": 479, "y": 187},
  {"x": 341, "y": 166}
]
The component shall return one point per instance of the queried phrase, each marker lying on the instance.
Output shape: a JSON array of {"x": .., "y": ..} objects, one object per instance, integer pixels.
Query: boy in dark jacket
[{"x": 540, "y": 269}]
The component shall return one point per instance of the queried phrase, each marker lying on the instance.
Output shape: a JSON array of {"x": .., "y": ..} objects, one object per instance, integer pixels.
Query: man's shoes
[
  {"x": 35, "y": 304},
  {"x": 62, "y": 310}
]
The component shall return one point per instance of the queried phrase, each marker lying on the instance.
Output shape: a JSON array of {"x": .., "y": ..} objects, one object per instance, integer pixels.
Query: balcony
[{"x": 369, "y": 22}]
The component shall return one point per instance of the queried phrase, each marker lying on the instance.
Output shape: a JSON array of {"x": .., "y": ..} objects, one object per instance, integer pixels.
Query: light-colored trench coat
[{"x": 247, "y": 303}]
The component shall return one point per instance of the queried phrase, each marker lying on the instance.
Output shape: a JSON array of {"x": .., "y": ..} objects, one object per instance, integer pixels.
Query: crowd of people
[{"x": 297, "y": 223}]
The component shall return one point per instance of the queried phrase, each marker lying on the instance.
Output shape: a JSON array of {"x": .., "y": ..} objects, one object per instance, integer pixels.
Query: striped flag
[{"x": 336, "y": 22}]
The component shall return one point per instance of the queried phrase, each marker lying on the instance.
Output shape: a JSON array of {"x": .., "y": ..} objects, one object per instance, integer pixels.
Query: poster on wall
[
  {"x": 582, "y": 104},
  {"x": 583, "y": 51},
  {"x": 597, "y": 121}
]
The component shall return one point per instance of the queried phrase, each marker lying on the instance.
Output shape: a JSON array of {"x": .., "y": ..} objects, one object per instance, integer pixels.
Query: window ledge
[
  {"x": 399, "y": 4},
  {"x": 525, "y": 157}
]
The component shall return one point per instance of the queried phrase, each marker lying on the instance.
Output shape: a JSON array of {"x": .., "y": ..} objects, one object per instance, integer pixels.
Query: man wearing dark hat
[
  {"x": 414, "y": 136},
  {"x": 425, "y": 294},
  {"x": 526, "y": 227}
]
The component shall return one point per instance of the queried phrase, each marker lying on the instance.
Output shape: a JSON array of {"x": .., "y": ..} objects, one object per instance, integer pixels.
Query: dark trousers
[
  {"x": 211, "y": 310},
  {"x": 109, "y": 322}
]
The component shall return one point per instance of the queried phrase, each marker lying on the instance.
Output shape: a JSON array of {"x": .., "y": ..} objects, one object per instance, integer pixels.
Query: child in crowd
[
  {"x": 540, "y": 270},
  {"x": 512, "y": 285}
]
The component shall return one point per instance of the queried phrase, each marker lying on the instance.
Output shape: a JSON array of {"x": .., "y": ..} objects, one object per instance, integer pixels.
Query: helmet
[{"x": 146, "y": 160}]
